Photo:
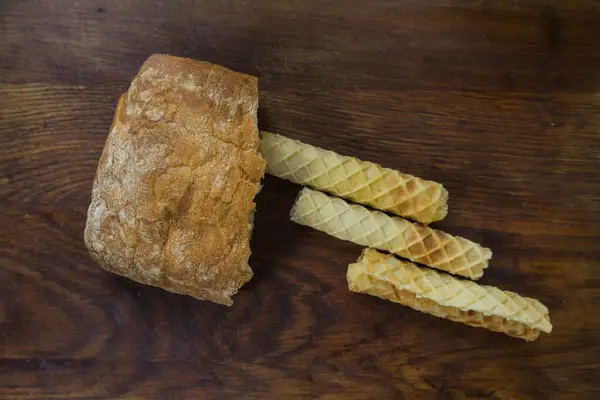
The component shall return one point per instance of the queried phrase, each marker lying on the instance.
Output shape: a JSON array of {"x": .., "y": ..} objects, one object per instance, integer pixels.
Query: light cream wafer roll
[
  {"x": 359, "y": 181},
  {"x": 418, "y": 243},
  {"x": 442, "y": 295}
]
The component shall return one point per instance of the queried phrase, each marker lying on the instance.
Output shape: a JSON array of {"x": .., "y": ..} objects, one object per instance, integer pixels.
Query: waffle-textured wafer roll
[
  {"x": 365, "y": 227},
  {"x": 359, "y": 181},
  {"x": 442, "y": 295}
]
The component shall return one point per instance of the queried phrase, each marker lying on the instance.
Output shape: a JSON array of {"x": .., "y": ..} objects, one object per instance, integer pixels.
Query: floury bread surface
[{"x": 175, "y": 185}]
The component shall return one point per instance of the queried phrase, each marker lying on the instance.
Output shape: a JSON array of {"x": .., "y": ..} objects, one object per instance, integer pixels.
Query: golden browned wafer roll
[
  {"x": 418, "y": 243},
  {"x": 359, "y": 181},
  {"x": 442, "y": 295}
]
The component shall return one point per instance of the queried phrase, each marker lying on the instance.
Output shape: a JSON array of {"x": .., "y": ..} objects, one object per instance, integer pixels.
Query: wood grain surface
[{"x": 498, "y": 100}]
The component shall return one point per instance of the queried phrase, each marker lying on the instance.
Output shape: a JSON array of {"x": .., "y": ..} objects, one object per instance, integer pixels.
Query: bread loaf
[{"x": 172, "y": 199}]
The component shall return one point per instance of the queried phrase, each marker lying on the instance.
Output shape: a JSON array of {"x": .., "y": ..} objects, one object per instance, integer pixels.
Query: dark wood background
[{"x": 499, "y": 100}]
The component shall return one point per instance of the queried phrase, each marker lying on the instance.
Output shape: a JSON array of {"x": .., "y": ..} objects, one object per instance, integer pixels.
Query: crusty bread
[{"x": 173, "y": 194}]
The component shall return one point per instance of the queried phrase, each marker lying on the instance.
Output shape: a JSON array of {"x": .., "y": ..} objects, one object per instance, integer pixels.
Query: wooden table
[{"x": 500, "y": 102}]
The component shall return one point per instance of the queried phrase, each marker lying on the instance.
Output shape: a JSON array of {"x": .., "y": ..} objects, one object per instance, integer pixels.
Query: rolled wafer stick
[
  {"x": 418, "y": 243},
  {"x": 442, "y": 295},
  {"x": 359, "y": 181}
]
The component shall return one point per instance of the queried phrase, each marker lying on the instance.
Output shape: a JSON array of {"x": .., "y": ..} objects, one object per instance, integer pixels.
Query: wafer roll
[
  {"x": 365, "y": 227},
  {"x": 359, "y": 181},
  {"x": 442, "y": 295}
]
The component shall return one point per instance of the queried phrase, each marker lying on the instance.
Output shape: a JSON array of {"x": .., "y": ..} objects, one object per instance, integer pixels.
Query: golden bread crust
[{"x": 176, "y": 181}]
